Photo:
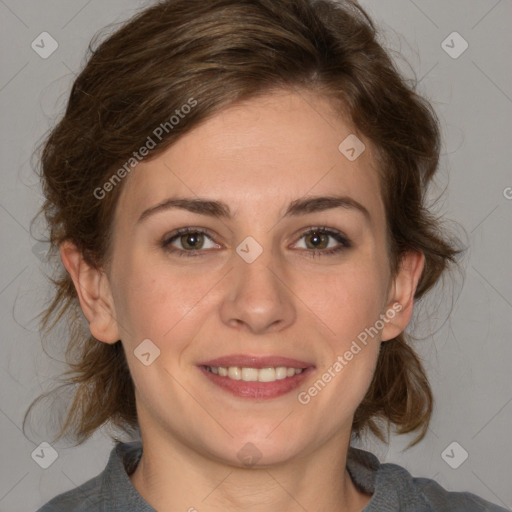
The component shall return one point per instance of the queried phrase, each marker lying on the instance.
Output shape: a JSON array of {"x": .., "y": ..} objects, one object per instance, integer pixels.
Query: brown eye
[
  {"x": 318, "y": 240},
  {"x": 188, "y": 242},
  {"x": 194, "y": 240}
]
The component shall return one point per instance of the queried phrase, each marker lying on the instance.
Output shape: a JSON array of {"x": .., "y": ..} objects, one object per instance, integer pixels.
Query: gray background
[{"x": 468, "y": 356}]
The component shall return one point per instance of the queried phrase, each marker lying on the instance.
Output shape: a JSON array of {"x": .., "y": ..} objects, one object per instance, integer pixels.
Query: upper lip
[{"x": 248, "y": 361}]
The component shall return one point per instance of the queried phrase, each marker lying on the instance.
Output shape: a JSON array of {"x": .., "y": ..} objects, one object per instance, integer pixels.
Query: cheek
[
  {"x": 160, "y": 306},
  {"x": 157, "y": 301},
  {"x": 350, "y": 346},
  {"x": 350, "y": 306},
  {"x": 350, "y": 300}
]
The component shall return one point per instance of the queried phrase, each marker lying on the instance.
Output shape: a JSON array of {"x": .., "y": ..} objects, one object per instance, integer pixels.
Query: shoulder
[
  {"x": 85, "y": 498},
  {"x": 394, "y": 488},
  {"x": 111, "y": 490},
  {"x": 442, "y": 500}
]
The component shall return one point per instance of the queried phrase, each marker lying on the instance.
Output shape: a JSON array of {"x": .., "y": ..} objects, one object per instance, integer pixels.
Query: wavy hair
[{"x": 221, "y": 52}]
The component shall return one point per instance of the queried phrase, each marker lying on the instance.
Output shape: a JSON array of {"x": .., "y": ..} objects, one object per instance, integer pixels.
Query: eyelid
[
  {"x": 338, "y": 235},
  {"x": 169, "y": 238},
  {"x": 343, "y": 241}
]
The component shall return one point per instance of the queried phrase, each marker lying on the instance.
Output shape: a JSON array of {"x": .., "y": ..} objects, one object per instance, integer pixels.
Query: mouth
[
  {"x": 256, "y": 377},
  {"x": 269, "y": 374}
]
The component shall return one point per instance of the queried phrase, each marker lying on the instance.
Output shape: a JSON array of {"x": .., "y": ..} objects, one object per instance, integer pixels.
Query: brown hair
[{"x": 220, "y": 52}]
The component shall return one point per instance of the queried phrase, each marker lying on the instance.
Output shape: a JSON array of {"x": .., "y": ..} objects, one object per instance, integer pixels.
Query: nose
[{"x": 258, "y": 297}]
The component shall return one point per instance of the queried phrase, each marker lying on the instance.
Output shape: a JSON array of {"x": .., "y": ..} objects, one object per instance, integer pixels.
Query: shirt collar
[{"x": 387, "y": 483}]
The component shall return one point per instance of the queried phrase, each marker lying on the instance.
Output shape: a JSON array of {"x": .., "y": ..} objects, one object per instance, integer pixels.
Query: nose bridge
[{"x": 256, "y": 297}]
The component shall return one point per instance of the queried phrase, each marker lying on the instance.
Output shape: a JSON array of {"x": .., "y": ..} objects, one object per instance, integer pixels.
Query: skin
[{"x": 256, "y": 157}]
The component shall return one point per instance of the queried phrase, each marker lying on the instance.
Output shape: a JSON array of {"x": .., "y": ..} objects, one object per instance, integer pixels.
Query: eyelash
[{"x": 345, "y": 243}]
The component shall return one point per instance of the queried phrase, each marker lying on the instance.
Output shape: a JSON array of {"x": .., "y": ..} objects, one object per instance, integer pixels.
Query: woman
[{"x": 237, "y": 193}]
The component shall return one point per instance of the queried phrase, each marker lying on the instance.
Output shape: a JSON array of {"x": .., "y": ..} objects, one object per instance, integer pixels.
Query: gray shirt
[{"x": 391, "y": 486}]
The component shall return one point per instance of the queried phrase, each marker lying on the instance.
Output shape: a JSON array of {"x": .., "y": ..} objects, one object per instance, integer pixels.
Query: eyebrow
[{"x": 218, "y": 209}]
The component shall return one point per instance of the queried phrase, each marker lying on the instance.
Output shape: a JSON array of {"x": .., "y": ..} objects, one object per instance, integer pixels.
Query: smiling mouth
[
  {"x": 256, "y": 376},
  {"x": 270, "y": 374},
  {"x": 256, "y": 383}
]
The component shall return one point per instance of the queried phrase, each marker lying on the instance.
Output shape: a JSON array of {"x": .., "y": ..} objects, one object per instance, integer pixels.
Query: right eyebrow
[
  {"x": 218, "y": 209},
  {"x": 201, "y": 206}
]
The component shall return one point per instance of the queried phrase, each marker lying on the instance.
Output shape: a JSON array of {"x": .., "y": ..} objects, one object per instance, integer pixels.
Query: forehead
[{"x": 259, "y": 155}]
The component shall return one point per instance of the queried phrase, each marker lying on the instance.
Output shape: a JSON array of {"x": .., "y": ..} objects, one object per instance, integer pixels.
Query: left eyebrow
[
  {"x": 321, "y": 203},
  {"x": 218, "y": 209}
]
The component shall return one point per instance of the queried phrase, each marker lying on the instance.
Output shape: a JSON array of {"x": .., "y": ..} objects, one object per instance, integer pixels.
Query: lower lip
[{"x": 257, "y": 390}]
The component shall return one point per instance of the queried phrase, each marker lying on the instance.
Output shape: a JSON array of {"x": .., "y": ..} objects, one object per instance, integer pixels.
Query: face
[{"x": 269, "y": 278}]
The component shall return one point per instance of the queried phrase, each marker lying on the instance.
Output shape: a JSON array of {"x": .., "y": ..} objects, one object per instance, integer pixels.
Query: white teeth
[
  {"x": 281, "y": 372},
  {"x": 234, "y": 373},
  {"x": 250, "y": 374},
  {"x": 267, "y": 375},
  {"x": 255, "y": 374}
]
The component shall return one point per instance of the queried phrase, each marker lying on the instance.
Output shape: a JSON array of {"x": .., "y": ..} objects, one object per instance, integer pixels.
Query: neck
[{"x": 170, "y": 476}]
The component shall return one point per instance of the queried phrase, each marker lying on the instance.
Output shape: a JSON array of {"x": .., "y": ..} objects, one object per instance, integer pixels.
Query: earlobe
[
  {"x": 402, "y": 292},
  {"x": 93, "y": 290}
]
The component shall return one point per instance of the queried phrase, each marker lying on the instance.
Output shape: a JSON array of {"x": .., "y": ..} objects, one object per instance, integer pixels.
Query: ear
[
  {"x": 401, "y": 297},
  {"x": 93, "y": 290}
]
